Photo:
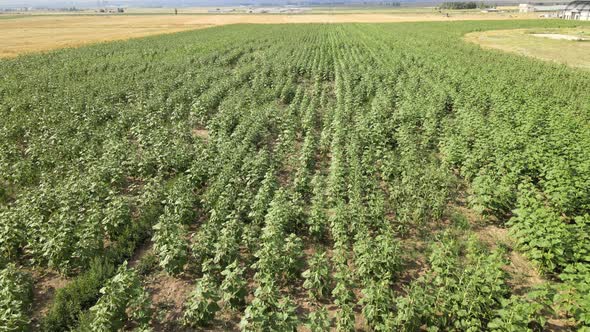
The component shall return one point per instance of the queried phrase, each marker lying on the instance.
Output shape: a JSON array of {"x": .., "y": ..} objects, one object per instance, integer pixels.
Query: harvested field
[
  {"x": 42, "y": 33},
  {"x": 33, "y": 34}
]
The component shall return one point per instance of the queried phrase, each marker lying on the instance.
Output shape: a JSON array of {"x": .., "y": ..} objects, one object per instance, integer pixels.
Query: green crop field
[{"x": 372, "y": 177}]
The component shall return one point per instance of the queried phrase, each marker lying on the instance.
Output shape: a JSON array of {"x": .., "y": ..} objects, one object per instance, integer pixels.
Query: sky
[
  {"x": 83, "y": 3},
  {"x": 138, "y": 3}
]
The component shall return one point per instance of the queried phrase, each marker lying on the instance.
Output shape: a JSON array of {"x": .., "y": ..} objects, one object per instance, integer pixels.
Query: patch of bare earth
[
  {"x": 168, "y": 295},
  {"x": 202, "y": 133},
  {"x": 143, "y": 250},
  {"x": 46, "y": 283},
  {"x": 523, "y": 274},
  {"x": 413, "y": 268},
  {"x": 558, "y": 36}
]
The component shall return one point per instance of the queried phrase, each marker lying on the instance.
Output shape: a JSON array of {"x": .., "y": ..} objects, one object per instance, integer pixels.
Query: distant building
[
  {"x": 528, "y": 8},
  {"x": 278, "y": 10},
  {"x": 112, "y": 10},
  {"x": 221, "y": 10},
  {"x": 577, "y": 10}
]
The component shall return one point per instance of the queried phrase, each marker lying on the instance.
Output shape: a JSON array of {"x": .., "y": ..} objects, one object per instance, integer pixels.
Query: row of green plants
[{"x": 299, "y": 157}]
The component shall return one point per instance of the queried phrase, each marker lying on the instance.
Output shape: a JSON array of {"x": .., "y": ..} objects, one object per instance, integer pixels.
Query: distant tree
[{"x": 459, "y": 5}]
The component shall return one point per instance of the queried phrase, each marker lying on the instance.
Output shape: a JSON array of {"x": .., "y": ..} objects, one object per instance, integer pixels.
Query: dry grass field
[
  {"x": 34, "y": 33},
  {"x": 42, "y": 33},
  {"x": 524, "y": 42}
]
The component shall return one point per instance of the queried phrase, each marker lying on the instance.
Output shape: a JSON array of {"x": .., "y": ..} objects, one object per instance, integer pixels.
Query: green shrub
[
  {"x": 201, "y": 306},
  {"x": 147, "y": 264},
  {"x": 269, "y": 311},
  {"x": 318, "y": 320},
  {"x": 234, "y": 286},
  {"x": 317, "y": 277},
  {"x": 122, "y": 299},
  {"x": 16, "y": 296},
  {"x": 71, "y": 300},
  {"x": 526, "y": 312}
]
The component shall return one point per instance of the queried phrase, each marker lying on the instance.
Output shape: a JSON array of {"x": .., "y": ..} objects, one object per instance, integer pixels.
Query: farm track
[{"x": 356, "y": 176}]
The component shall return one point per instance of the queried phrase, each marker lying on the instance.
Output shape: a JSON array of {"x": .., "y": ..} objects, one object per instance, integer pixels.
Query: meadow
[{"x": 309, "y": 177}]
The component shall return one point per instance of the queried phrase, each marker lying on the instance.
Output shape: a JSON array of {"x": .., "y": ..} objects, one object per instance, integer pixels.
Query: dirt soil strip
[
  {"x": 46, "y": 283},
  {"x": 42, "y": 33}
]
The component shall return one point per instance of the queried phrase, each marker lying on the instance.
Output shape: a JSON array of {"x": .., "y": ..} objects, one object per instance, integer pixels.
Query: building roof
[
  {"x": 549, "y": 8},
  {"x": 542, "y": 8},
  {"x": 578, "y": 5}
]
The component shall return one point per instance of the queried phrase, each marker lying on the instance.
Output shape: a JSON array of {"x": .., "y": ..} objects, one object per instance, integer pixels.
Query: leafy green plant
[
  {"x": 227, "y": 246},
  {"x": 292, "y": 259},
  {"x": 170, "y": 243},
  {"x": 317, "y": 276},
  {"x": 279, "y": 254},
  {"x": 377, "y": 303},
  {"x": 318, "y": 219},
  {"x": 318, "y": 320},
  {"x": 523, "y": 313},
  {"x": 234, "y": 286},
  {"x": 550, "y": 249},
  {"x": 16, "y": 290},
  {"x": 376, "y": 258},
  {"x": 345, "y": 318},
  {"x": 123, "y": 298},
  {"x": 573, "y": 295},
  {"x": 202, "y": 304},
  {"x": 81, "y": 294},
  {"x": 12, "y": 237},
  {"x": 454, "y": 294},
  {"x": 344, "y": 298},
  {"x": 268, "y": 311}
]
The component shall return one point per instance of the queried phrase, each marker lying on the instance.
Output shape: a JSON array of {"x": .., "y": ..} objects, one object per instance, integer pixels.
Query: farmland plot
[
  {"x": 568, "y": 46},
  {"x": 304, "y": 177}
]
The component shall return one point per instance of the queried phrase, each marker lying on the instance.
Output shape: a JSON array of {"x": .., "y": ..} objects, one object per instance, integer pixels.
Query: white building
[
  {"x": 577, "y": 10},
  {"x": 526, "y": 8}
]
